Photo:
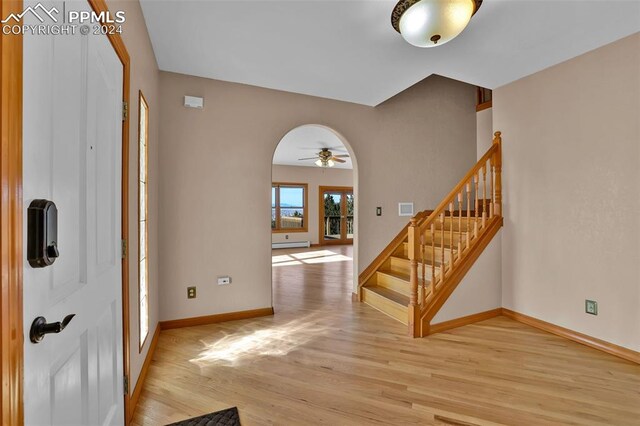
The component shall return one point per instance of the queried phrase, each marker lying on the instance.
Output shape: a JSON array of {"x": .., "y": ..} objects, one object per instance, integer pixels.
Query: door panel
[
  {"x": 72, "y": 146},
  {"x": 336, "y": 215},
  {"x": 67, "y": 163},
  {"x": 107, "y": 364},
  {"x": 349, "y": 213},
  {"x": 69, "y": 386},
  {"x": 332, "y": 216}
]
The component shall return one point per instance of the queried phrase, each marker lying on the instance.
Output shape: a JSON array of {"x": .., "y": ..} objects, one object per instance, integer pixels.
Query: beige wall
[
  {"x": 484, "y": 123},
  {"x": 145, "y": 77},
  {"x": 571, "y": 177},
  {"x": 216, "y": 174},
  {"x": 313, "y": 177},
  {"x": 481, "y": 288}
]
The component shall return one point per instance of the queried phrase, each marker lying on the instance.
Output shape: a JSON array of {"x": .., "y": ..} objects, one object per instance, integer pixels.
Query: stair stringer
[{"x": 459, "y": 272}]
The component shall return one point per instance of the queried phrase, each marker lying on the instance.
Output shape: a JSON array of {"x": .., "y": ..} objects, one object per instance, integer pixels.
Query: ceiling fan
[{"x": 325, "y": 158}]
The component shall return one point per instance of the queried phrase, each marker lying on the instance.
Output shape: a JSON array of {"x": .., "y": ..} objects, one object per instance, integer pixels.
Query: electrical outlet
[
  {"x": 224, "y": 280},
  {"x": 591, "y": 307},
  {"x": 191, "y": 292},
  {"x": 286, "y": 237}
]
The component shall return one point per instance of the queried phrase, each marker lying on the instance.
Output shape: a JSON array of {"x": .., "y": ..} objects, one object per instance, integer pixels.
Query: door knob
[{"x": 40, "y": 327}]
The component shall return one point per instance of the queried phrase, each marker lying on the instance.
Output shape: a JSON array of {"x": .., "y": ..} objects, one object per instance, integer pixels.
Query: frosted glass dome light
[{"x": 429, "y": 23}]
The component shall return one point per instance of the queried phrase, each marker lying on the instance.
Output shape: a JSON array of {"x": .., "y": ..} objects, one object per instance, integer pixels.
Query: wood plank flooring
[{"x": 323, "y": 359}]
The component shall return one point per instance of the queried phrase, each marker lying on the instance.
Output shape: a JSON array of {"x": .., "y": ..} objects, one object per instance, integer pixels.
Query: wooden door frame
[
  {"x": 321, "y": 191},
  {"x": 11, "y": 212}
]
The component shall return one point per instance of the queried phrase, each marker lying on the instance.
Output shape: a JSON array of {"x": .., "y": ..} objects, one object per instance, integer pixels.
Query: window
[
  {"x": 143, "y": 229},
  {"x": 289, "y": 207}
]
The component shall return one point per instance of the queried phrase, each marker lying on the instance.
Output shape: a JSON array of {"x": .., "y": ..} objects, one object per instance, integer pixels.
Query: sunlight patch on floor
[
  {"x": 307, "y": 255},
  {"x": 312, "y": 257},
  {"x": 252, "y": 342},
  {"x": 327, "y": 259}
]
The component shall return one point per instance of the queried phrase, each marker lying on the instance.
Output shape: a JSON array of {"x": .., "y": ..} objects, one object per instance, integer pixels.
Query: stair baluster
[
  {"x": 468, "y": 212},
  {"x": 414, "y": 310},
  {"x": 475, "y": 214},
  {"x": 443, "y": 269},
  {"x": 484, "y": 194},
  {"x": 433, "y": 259},
  {"x": 423, "y": 263},
  {"x": 497, "y": 161},
  {"x": 460, "y": 208}
]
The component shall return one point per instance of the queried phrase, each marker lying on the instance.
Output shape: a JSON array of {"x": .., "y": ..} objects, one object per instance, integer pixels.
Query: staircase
[{"x": 416, "y": 273}]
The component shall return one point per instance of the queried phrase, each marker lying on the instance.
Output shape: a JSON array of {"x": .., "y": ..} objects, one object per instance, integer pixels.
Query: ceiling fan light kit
[
  {"x": 325, "y": 158},
  {"x": 429, "y": 23}
]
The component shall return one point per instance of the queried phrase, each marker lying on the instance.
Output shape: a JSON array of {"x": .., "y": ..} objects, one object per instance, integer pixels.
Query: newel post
[
  {"x": 414, "y": 250},
  {"x": 497, "y": 163}
]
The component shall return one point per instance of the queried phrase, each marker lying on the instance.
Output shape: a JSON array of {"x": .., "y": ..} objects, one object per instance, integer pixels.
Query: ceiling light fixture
[
  {"x": 429, "y": 23},
  {"x": 323, "y": 162}
]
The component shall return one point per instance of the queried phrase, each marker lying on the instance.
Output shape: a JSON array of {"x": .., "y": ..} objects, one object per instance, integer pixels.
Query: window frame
[
  {"x": 142, "y": 102},
  {"x": 305, "y": 207}
]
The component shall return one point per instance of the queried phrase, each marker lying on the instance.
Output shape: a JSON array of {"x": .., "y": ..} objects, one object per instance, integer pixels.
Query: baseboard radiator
[{"x": 292, "y": 244}]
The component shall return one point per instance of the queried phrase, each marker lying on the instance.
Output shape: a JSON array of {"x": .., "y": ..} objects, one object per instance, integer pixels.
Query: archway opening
[{"x": 314, "y": 219}]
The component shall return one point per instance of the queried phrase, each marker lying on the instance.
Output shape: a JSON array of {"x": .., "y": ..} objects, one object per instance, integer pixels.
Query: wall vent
[{"x": 405, "y": 209}]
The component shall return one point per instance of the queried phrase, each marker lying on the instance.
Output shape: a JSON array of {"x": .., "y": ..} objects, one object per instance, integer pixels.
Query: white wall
[
  {"x": 313, "y": 177},
  {"x": 571, "y": 180},
  {"x": 480, "y": 290}
]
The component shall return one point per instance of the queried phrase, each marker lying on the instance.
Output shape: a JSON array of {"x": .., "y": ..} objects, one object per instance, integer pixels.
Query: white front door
[{"x": 72, "y": 156}]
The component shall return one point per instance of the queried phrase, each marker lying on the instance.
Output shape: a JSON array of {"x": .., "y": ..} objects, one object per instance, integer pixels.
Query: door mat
[{"x": 228, "y": 417}]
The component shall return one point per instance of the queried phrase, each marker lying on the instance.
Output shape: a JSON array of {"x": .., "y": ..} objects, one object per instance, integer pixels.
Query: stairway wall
[
  {"x": 481, "y": 289},
  {"x": 571, "y": 180}
]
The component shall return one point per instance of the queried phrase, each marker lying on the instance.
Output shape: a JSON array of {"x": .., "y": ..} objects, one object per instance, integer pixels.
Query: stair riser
[
  {"x": 428, "y": 253},
  {"x": 404, "y": 266},
  {"x": 447, "y": 237},
  {"x": 457, "y": 227},
  {"x": 385, "y": 305},
  {"x": 397, "y": 284}
]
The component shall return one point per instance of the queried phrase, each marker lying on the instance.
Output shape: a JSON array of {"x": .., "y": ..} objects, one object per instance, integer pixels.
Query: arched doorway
[{"x": 314, "y": 218}]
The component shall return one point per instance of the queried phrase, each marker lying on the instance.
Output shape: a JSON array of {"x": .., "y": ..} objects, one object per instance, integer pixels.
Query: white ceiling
[
  {"x": 306, "y": 141},
  {"x": 347, "y": 49}
]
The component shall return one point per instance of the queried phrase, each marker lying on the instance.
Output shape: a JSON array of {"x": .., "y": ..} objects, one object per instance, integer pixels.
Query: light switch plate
[
  {"x": 224, "y": 280},
  {"x": 591, "y": 307}
]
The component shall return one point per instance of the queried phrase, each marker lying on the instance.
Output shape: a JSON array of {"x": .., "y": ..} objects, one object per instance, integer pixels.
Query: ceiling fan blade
[
  {"x": 338, "y": 160},
  {"x": 341, "y": 155},
  {"x": 309, "y": 158}
]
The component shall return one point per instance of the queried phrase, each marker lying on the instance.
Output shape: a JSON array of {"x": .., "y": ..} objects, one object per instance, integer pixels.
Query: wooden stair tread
[{"x": 393, "y": 296}]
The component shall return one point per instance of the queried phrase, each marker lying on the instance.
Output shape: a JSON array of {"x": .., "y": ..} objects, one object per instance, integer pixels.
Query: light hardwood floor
[{"x": 323, "y": 359}]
